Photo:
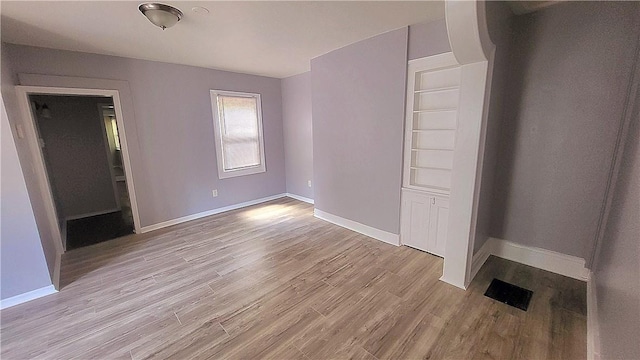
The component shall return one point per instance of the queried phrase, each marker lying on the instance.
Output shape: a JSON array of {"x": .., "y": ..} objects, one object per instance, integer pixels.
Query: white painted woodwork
[
  {"x": 433, "y": 96},
  {"x": 430, "y": 141},
  {"x": 444, "y": 78},
  {"x": 414, "y": 219},
  {"x": 555, "y": 262},
  {"x": 473, "y": 51},
  {"x": 435, "y": 120},
  {"x": 424, "y": 221},
  {"x": 39, "y": 168},
  {"x": 438, "y": 222}
]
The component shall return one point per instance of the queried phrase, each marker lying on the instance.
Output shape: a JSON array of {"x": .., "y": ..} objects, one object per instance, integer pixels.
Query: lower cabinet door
[
  {"x": 424, "y": 220},
  {"x": 438, "y": 223},
  {"x": 415, "y": 220}
]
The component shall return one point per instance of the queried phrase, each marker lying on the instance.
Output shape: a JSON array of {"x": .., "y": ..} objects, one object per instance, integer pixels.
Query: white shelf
[
  {"x": 424, "y": 130},
  {"x": 434, "y": 110},
  {"x": 427, "y": 149},
  {"x": 430, "y": 134},
  {"x": 416, "y": 149},
  {"x": 413, "y": 167},
  {"x": 430, "y": 189},
  {"x": 422, "y": 91}
]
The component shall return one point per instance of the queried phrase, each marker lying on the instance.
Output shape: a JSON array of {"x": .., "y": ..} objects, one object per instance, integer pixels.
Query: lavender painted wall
[
  {"x": 358, "y": 95},
  {"x": 22, "y": 263},
  {"x": 618, "y": 265},
  {"x": 571, "y": 64},
  {"x": 499, "y": 18},
  {"x": 76, "y": 155},
  {"x": 174, "y": 161},
  {"x": 298, "y": 135},
  {"x": 427, "y": 39},
  {"x": 47, "y": 242}
]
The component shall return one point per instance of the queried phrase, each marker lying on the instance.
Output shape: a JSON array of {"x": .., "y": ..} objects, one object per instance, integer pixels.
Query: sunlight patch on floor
[{"x": 266, "y": 213}]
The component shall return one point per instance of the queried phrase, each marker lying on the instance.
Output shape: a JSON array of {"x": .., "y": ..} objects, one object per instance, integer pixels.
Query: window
[
  {"x": 114, "y": 129},
  {"x": 237, "y": 122}
]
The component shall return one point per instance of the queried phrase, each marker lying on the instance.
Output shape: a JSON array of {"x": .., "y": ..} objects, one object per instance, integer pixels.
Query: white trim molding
[
  {"x": 219, "y": 125},
  {"x": 180, "y": 220},
  {"x": 384, "y": 236},
  {"x": 57, "y": 266},
  {"x": 555, "y": 262},
  {"x": 593, "y": 325},
  {"x": 472, "y": 47},
  {"x": 28, "y": 296},
  {"x": 28, "y": 120},
  {"x": 480, "y": 257},
  {"x": 298, "y": 197}
]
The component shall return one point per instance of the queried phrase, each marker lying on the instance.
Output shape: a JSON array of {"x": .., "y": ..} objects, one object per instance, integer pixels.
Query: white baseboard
[
  {"x": 454, "y": 282},
  {"x": 552, "y": 261},
  {"x": 167, "y": 223},
  {"x": 301, "y": 198},
  {"x": 384, "y": 236},
  {"x": 593, "y": 325},
  {"x": 480, "y": 257},
  {"x": 28, "y": 296},
  {"x": 555, "y": 262},
  {"x": 56, "y": 271}
]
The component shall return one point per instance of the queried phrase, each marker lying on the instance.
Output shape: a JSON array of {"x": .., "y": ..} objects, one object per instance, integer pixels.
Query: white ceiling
[{"x": 265, "y": 38}]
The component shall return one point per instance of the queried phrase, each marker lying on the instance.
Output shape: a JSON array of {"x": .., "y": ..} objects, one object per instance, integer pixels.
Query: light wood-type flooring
[{"x": 273, "y": 282}]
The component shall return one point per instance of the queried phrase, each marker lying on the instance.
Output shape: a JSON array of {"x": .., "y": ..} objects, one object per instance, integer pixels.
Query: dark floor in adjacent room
[{"x": 95, "y": 229}]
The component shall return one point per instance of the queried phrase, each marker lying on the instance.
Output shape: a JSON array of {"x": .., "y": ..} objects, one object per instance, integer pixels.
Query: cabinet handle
[{"x": 433, "y": 201}]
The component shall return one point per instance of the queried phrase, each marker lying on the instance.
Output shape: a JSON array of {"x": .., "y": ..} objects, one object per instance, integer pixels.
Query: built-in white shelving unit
[
  {"x": 432, "y": 113},
  {"x": 431, "y": 126}
]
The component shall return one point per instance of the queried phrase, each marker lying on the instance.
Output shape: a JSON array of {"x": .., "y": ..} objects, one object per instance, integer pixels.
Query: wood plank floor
[{"x": 272, "y": 281}]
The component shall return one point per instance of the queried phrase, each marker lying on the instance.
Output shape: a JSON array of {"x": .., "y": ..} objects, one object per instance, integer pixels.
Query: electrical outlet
[
  {"x": 309, "y": 183},
  {"x": 214, "y": 192}
]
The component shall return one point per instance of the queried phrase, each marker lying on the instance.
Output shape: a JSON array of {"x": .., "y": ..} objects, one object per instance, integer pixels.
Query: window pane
[
  {"x": 239, "y": 127},
  {"x": 114, "y": 129},
  {"x": 239, "y": 155},
  {"x": 239, "y": 116}
]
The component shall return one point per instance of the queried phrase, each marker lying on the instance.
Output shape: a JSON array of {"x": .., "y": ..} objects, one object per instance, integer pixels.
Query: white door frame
[
  {"x": 44, "y": 184},
  {"x": 105, "y": 137}
]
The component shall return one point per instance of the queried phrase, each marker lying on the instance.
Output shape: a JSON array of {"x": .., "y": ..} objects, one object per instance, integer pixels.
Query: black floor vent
[{"x": 509, "y": 294}]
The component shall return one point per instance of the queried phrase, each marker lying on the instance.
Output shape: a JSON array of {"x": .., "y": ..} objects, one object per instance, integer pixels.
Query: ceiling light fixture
[
  {"x": 200, "y": 10},
  {"x": 161, "y": 15}
]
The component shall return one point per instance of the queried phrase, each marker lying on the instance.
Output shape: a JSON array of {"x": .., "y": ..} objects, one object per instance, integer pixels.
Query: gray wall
[
  {"x": 174, "y": 159},
  {"x": 9, "y": 99},
  {"x": 298, "y": 135},
  {"x": 427, "y": 39},
  {"x": 618, "y": 264},
  {"x": 499, "y": 18},
  {"x": 76, "y": 155},
  {"x": 358, "y": 95},
  {"x": 22, "y": 263},
  {"x": 565, "y": 98}
]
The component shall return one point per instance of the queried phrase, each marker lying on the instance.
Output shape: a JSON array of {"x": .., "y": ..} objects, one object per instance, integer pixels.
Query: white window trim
[{"x": 222, "y": 173}]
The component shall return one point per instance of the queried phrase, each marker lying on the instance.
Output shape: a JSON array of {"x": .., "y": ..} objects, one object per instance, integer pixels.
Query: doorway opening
[{"x": 81, "y": 149}]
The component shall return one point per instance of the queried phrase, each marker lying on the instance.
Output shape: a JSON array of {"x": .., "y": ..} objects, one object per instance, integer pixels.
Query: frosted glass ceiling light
[{"x": 161, "y": 15}]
